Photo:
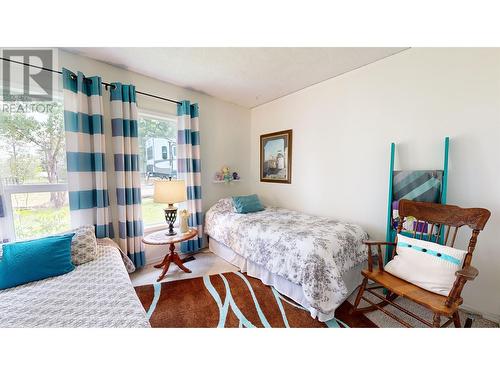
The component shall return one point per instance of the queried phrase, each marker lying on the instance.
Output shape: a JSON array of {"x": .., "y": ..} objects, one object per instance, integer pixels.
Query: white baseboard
[{"x": 490, "y": 316}]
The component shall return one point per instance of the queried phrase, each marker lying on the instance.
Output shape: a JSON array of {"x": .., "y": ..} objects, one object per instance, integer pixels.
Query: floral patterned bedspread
[{"x": 310, "y": 251}]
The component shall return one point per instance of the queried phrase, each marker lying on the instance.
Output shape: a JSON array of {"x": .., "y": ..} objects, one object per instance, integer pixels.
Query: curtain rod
[{"x": 105, "y": 84}]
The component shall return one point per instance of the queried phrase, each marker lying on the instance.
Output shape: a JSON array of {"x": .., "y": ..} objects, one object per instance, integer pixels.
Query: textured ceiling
[{"x": 245, "y": 76}]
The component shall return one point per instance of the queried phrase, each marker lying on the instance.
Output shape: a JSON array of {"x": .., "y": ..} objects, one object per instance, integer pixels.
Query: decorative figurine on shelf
[
  {"x": 227, "y": 174},
  {"x": 219, "y": 176},
  {"x": 183, "y": 225}
]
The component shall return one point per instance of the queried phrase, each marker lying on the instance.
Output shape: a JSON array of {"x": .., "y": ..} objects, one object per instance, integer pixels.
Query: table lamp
[{"x": 170, "y": 192}]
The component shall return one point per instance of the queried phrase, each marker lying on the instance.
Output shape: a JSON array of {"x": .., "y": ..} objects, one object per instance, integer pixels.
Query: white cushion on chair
[{"x": 426, "y": 264}]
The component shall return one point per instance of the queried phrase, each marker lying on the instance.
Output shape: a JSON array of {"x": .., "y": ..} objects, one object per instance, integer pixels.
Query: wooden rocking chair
[{"x": 440, "y": 219}]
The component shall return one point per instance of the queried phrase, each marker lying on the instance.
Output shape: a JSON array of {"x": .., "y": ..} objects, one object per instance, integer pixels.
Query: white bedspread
[
  {"x": 310, "y": 251},
  {"x": 96, "y": 294}
]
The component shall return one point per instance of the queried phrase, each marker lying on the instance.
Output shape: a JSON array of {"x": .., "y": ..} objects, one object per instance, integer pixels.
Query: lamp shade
[{"x": 169, "y": 191}]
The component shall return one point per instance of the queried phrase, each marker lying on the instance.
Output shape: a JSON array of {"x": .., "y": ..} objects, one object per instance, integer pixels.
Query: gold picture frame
[{"x": 276, "y": 157}]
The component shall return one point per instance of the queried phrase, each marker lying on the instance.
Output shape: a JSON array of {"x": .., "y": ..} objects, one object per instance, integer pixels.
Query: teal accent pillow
[
  {"x": 26, "y": 261},
  {"x": 247, "y": 203}
]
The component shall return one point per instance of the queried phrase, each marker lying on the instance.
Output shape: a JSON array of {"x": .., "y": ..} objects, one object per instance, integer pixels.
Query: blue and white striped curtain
[
  {"x": 85, "y": 152},
  {"x": 128, "y": 180},
  {"x": 189, "y": 169}
]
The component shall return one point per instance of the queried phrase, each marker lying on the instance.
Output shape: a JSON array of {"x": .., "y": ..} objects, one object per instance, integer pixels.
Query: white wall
[
  {"x": 224, "y": 127},
  {"x": 342, "y": 129}
]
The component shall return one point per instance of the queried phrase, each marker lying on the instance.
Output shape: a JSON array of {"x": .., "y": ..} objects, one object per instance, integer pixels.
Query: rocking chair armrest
[
  {"x": 463, "y": 275},
  {"x": 468, "y": 273},
  {"x": 379, "y": 244}
]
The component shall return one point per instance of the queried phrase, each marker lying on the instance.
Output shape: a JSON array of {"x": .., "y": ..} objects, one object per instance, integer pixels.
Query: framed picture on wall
[{"x": 276, "y": 157}]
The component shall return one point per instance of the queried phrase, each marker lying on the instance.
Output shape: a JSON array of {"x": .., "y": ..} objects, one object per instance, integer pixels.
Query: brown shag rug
[
  {"x": 231, "y": 299},
  {"x": 234, "y": 299}
]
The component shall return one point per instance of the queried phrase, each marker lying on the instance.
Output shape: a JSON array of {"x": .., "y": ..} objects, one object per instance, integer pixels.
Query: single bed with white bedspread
[{"x": 305, "y": 257}]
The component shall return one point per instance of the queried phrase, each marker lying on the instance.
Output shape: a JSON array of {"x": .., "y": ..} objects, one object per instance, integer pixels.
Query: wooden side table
[{"x": 161, "y": 238}]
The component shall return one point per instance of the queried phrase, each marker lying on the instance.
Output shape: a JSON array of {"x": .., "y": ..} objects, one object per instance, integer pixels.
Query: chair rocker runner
[{"x": 441, "y": 219}]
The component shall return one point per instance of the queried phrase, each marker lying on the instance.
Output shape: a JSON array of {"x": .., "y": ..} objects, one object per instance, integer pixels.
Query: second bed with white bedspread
[
  {"x": 311, "y": 251},
  {"x": 96, "y": 294}
]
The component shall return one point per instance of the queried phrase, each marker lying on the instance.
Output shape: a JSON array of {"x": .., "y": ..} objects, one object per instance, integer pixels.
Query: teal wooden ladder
[{"x": 391, "y": 231}]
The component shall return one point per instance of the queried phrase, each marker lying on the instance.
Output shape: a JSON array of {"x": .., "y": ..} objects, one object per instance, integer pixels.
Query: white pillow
[{"x": 426, "y": 264}]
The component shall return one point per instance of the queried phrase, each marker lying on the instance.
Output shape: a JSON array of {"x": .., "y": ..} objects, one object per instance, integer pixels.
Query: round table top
[{"x": 160, "y": 237}]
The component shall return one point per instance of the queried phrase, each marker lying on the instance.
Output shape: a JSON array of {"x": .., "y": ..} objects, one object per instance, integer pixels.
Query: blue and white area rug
[{"x": 228, "y": 300}]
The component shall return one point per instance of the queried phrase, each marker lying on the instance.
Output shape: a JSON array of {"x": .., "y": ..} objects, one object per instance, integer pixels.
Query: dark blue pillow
[
  {"x": 247, "y": 203},
  {"x": 27, "y": 261}
]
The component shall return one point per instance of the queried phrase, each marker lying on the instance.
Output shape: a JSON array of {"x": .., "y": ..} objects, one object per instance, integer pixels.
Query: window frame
[
  {"x": 9, "y": 190},
  {"x": 141, "y": 112},
  {"x": 156, "y": 114}
]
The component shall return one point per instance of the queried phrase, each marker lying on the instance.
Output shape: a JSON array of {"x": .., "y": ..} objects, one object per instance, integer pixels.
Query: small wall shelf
[{"x": 225, "y": 182}]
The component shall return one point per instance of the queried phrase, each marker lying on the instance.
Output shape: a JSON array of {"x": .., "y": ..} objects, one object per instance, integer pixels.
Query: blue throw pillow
[
  {"x": 247, "y": 203},
  {"x": 23, "y": 262}
]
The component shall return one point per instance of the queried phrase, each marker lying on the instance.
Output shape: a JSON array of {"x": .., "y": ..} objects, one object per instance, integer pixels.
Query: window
[
  {"x": 33, "y": 168},
  {"x": 157, "y": 159}
]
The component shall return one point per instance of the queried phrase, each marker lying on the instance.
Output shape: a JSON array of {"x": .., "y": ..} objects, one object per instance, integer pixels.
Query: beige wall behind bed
[{"x": 343, "y": 128}]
